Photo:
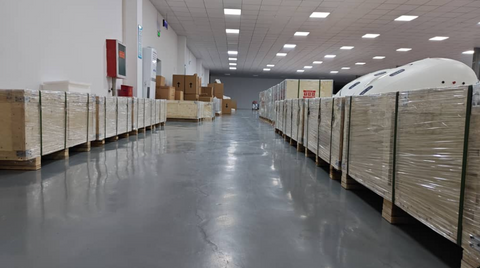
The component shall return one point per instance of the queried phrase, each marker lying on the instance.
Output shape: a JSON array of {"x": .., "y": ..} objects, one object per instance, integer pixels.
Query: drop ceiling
[{"x": 267, "y": 25}]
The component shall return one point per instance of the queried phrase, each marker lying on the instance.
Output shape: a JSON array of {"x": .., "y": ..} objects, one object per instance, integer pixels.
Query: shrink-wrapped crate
[
  {"x": 158, "y": 107},
  {"x": 164, "y": 111},
  {"x": 148, "y": 112},
  {"x": 337, "y": 132},
  {"x": 429, "y": 159},
  {"x": 53, "y": 121},
  {"x": 110, "y": 117},
  {"x": 370, "y": 155},
  {"x": 141, "y": 113},
  {"x": 77, "y": 118},
  {"x": 471, "y": 212},
  {"x": 92, "y": 117},
  {"x": 183, "y": 110},
  {"x": 208, "y": 110},
  {"x": 325, "y": 129},
  {"x": 20, "y": 131},
  {"x": 309, "y": 89},
  {"x": 313, "y": 124},
  {"x": 217, "y": 103},
  {"x": 134, "y": 113},
  {"x": 277, "y": 114},
  {"x": 281, "y": 115},
  {"x": 100, "y": 118},
  {"x": 297, "y": 120},
  {"x": 122, "y": 115},
  {"x": 306, "y": 109},
  {"x": 288, "y": 118}
]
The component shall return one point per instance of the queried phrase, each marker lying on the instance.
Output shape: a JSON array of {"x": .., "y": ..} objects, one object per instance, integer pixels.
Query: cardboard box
[
  {"x": 192, "y": 84},
  {"x": 178, "y": 82},
  {"x": 160, "y": 81},
  {"x": 207, "y": 91},
  {"x": 234, "y": 104},
  {"x": 166, "y": 93},
  {"x": 206, "y": 99},
  {"x": 178, "y": 95},
  {"x": 191, "y": 97},
  {"x": 227, "y": 107},
  {"x": 218, "y": 90}
]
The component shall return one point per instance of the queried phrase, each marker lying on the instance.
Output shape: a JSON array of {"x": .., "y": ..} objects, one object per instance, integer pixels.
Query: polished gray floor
[{"x": 228, "y": 193}]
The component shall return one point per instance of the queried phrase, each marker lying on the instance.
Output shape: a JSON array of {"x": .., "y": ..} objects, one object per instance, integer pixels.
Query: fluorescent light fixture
[
  {"x": 404, "y": 49},
  {"x": 232, "y": 64},
  {"x": 439, "y": 38},
  {"x": 232, "y": 58},
  {"x": 301, "y": 33},
  {"x": 233, "y": 68},
  {"x": 379, "y": 57},
  {"x": 232, "y": 31},
  {"x": 300, "y": 71},
  {"x": 469, "y": 52},
  {"x": 270, "y": 65},
  {"x": 360, "y": 63},
  {"x": 232, "y": 52},
  {"x": 330, "y": 56},
  {"x": 334, "y": 72},
  {"x": 345, "y": 68},
  {"x": 307, "y": 67},
  {"x": 319, "y": 15},
  {"x": 369, "y": 35},
  {"x": 266, "y": 69},
  {"x": 317, "y": 62},
  {"x": 289, "y": 46},
  {"x": 347, "y": 47},
  {"x": 406, "y": 18},
  {"x": 281, "y": 54},
  {"x": 231, "y": 11}
]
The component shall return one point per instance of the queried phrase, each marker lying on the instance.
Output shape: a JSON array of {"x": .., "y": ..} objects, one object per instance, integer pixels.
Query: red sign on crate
[{"x": 309, "y": 94}]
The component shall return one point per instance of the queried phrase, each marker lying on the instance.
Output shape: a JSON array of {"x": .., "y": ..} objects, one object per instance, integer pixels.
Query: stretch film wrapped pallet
[
  {"x": 208, "y": 110},
  {"x": 140, "y": 113},
  {"x": 325, "y": 128},
  {"x": 337, "y": 132},
  {"x": 471, "y": 212},
  {"x": 100, "y": 118},
  {"x": 123, "y": 115},
  {"x": 313, "y": 125},
  {"x": 280, "y": 116},
  {"x": 288, "y": 118},
  {"x": 158, "y": 110},
  {"x": 53, "y": 120},
  {"x": 429, "y": 160},
  {"x": 297, "y": 120},
  {"x": 148, "y": 112},
  {"x": 277, "y": 114},
  {"x": 92, "y": 117},
  {"x": 110, "y": 117},
  {"x": 165, "y": 111},
  {"x": 370, "y": 156},
  {"x": 20, "y": 121},
  {"x": 346, "y": 137},
  {"x": 134, "y": 114},
  {"x": 77, "y": 118}
]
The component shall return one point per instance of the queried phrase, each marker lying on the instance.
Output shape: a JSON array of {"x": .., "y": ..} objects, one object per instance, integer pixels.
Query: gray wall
[{"x": 245, "y": 89}]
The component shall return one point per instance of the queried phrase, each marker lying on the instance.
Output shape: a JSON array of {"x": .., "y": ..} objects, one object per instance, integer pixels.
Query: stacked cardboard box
[
  {"x": 163, "y": 91},
  {"x": 218, "y": 90},
  {"x": 206, "y": 94},
  {"x": 226, "y": 106},
  {"x": 189, "y": 85}
]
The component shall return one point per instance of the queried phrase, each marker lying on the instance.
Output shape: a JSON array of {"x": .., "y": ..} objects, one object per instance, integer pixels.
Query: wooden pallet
[
  {"x": 151, "y": 127},
  {"x": 286, "y": 138},
  {"x": 209, "y": 119},
  {"x": 27, "y": 165},
  {"x": 124, "y": 135},
  {"x": 141, "y": 130},
  {"x": 112, "y": 139},
  {"x": 293, "y": 142},
  {"x": 62, "y": 154},
  {"x": 185, "y": 120},
  {"x": 335, "y": 174},
  {"x": 394, "y": 214},
  {"x": 84, "y": 147},
  {"x": 348, "y": 183},
  {"x": 98, "y": 143},
  {"x": 218, "y": 114},
  {"x": 133, "y": 132}
]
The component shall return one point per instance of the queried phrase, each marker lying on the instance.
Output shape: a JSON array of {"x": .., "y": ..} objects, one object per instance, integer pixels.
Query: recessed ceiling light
[
  {"x": 379, "y": 57},
  {"x": 371, "y": 36},
  {"x": 307, "y": 67},
  {"x": 281, "y": 54},
  {"x": 301, "y": 33},
  {"x": 232, "y": 52},
  {"x": 232, "y": 64},
  {"x": 334, "y": 72},
  {"x": 266, "y": 69},
  {"x": 469, "y": 52},
  {"x": 231, "y": 11},
  {"x": 360, "y": 63},
  {"x": 404, "y": 49},
  {"x": 289, "y": 46},
  {"x": 317, "y": 62},
  {"x": 330, "y": 56},
  {"x": 345, "y": 68},
  {"x": 300, "y": 71},
  {"x": 347, "y": 47},
  {"x": 233, "y": 68},
  {"x": 232, "y": 58},
  {"x": 270, "y": 65},
  {"x": 406, "y": 18},
  {"x": 232, "y": 31},
  {"x": 438, "y": 38},
  {"x": 319, "y": 14}
]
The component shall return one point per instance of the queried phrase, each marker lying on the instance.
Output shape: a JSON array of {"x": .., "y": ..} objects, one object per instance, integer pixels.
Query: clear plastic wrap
[
  {"x": 148, "y": 112},
  {"x": 164, "y": 111},
  {"x": 337, "y": 132},
  {"x": 313, "y": 124},
  {"x": 110, "y": 117},
  {"x": 346, "y": 137},
  {"x": 280, "y": 115},
  {"x": 92, "y": 117},
  {"x": 471, "y": 212},
  {"x": 429, "y": 158},
  {"x": 134, "y": 113},
  {"x": 297, "y": 120},
  {"x": 122, "y": 115},
  {"x": 208, "y": 110},
  {"x": 325, "y": 128},
  {"x": 217, "y": 105},
  {"x": 20, "y": 121},
  {"x": 100, "y": 118},
  {"x": 306, "y": 109},
  {"x": 288, "y": 118},
  {"x": 77, "y": 118},
  {"x": 53, "y": 121},
  {"x": 372, "y": 125},
  {"x": 158, "y": 110},
  {"x": 141, "y": 113}
]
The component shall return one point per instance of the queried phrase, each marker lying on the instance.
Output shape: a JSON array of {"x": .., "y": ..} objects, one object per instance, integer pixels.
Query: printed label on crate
[{"x": 309, "y": 94}]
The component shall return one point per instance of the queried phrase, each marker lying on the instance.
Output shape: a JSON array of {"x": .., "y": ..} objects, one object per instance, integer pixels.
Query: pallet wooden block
[
  {"x": 85, "y": 147},
  {"x": 334, "y": 173}
]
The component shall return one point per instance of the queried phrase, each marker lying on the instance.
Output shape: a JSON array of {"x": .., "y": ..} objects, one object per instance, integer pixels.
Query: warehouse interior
[{"x": 240, "y": 133}]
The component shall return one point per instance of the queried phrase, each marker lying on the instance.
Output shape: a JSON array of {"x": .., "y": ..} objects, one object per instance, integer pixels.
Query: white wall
[{"x": 53, "y": 40}]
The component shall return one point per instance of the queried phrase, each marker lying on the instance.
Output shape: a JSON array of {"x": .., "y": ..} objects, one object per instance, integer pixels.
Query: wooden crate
[
  {"x": 53, "y": 120},
  {"x": 183, "y": 110},
  {"x": 123, "y": 115},
  {"x": 337, "y": 132},
  {"x": 370, "y": 154},
  {"x": 325, "y": 129},
  {"x": 288, "y": 118},
  {"x": 77, "y": 118},
  {"x": 326, "y": 88},
  {"x": 471, "y": 212},
  {"x": 20, "y": 131},
  {"x": 306, "y": 87},
  {"x": 100, "y": 118},
  {"x": 312, "y": 123},
  {"x": 92, "y": 117}
]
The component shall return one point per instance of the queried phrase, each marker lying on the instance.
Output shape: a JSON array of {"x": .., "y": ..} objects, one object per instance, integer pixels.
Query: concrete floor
[{"x": 228, "y": 193}]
